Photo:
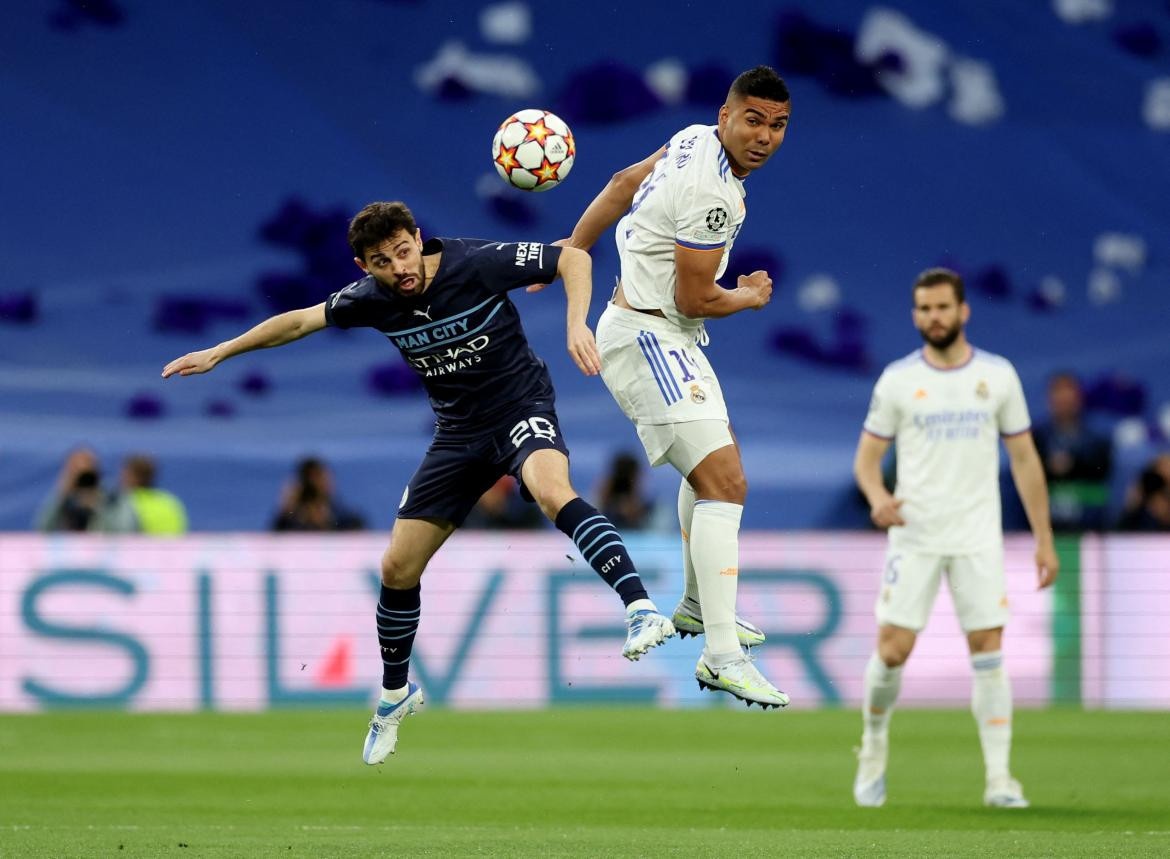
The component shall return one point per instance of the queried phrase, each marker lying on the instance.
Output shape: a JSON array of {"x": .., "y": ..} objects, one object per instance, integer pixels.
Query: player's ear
[
  {"x": 964, "y": 312},
  {"x": 418, "y": 238},
  {"x": 361, "y": 263}
]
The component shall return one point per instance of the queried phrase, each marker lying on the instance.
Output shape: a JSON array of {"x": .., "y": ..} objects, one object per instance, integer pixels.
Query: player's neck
[
  {"x": 430, "y": 269},
  {"x": 955, "y": 355},
  {"x": 738, "y": 170}
]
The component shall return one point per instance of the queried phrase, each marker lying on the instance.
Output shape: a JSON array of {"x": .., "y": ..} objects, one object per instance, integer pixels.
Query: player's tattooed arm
[
  {"x": 1028, "y": 475},
  {"x": 867, "y": 471},
  {"x": 274, "y": 331},
  {"x": 576, "y": 269}
]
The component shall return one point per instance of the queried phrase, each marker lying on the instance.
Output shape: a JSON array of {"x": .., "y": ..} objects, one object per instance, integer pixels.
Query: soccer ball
[{"x": 533, "y": 150}]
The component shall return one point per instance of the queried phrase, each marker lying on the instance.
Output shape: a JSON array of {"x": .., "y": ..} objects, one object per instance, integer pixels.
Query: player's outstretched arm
[
  {"x": 274, "y": 331},
  {"x": 1028, "y": 475},
  {"x": 867, "y": 470},
  {"x": 698, "y": 296},
  {"x": 576, "y": 269}
]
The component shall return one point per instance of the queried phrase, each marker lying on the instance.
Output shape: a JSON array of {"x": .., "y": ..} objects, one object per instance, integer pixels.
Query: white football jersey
[
  {"x": 946, "y": 424},
  {"x": 691, "y": 198}
]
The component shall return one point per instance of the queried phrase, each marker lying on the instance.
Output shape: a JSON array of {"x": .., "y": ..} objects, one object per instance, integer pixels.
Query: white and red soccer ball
[{"x": 533, "y": 150}]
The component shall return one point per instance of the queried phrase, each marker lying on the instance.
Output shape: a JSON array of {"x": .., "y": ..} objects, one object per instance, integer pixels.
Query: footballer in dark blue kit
[
  {"x": 444, "y": 305},
  {"x": 492, "y": 396}
]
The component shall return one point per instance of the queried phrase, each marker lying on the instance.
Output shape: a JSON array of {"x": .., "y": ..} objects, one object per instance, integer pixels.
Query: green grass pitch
[{"x": 572, "y": 782}]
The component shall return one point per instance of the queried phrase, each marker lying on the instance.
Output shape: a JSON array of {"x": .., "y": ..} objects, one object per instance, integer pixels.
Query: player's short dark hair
[
  {"x": 760, "y": 82},
  {"x": 378, "y": 222},
  {"x": 939, "y": 276}
]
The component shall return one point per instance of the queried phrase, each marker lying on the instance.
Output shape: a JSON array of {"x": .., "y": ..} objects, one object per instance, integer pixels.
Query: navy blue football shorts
[{"x": 456, "y": 471}]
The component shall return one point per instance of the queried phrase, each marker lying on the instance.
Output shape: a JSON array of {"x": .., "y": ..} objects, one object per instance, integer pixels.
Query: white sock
[
  {"x": 991, "y": 705},
  {"x": 686, "y": 510},
  {"x": 393, "y": 696},
  {"x": 714, "y": 548},
  {"x": 882, "y": 685}
]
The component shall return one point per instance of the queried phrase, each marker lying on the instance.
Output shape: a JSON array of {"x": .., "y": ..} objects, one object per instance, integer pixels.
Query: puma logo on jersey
[{"x": 425, "y": 314}]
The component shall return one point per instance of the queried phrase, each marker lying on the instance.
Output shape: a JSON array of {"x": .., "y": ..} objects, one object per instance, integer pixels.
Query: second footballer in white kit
[
  {"x": 947, "y": 406},
  {"x": 685, "y": 207}
]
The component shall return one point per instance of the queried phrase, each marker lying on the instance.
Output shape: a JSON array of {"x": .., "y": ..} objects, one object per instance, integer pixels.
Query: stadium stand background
[{"x": 174, "y": 174}]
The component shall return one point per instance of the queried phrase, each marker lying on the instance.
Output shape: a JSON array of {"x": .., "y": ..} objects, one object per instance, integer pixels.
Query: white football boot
[
  {"x": 645, "y": 628},
  {"x": 869, "y": 786},
  {"x": 382, "y": 739},
  {"x": 688, "y": 620},
  {"x": 742, "y": 679},
  {"x": 1004, "y": 792}
]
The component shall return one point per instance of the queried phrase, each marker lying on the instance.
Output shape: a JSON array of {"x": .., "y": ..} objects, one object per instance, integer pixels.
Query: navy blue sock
[
  {"x": 602, "y": 547},
  {"x": 398, "y": 613}
]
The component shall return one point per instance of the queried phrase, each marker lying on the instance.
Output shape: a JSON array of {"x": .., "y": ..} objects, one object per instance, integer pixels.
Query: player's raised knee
[
  {"x": 894, "y": 654},
  {"x": 730, "y": 486},
  {"x": 399, "y": 573},
  {"x": 552, "y": 497}
]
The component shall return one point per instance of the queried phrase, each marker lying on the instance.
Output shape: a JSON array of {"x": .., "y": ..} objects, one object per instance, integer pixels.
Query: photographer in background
[
  {"x": 78, "y": 503},
  {"x": 1147, "y": 502},
  {"x": 309, "y": 503},
  {"x": 1078, "y": 460},
  {"x": 621, "y": 497}
]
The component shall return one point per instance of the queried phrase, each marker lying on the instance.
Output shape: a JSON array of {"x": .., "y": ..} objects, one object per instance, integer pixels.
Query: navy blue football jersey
[{"x": 463, "y": 334}]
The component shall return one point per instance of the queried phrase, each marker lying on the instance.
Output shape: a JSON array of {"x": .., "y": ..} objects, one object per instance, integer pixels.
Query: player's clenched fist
[
  {"x": 885, "y": 513},
  {"x": 759, "y": 283}
]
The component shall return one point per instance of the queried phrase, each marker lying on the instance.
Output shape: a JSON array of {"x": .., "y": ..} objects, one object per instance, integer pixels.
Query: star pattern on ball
[
  {"x": 507, "y": 159},
  {"x": 547, "y": 172},
  {"x": 537, "y": 131},
  {"x": 571, "y": 143}
]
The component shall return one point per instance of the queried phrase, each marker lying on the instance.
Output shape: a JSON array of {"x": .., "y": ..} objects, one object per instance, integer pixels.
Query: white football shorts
[
  {"x": 910, "y": 583},
  {"x": 664, "y": 383}
]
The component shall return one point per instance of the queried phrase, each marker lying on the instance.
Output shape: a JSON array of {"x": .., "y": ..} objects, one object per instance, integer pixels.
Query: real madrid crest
[
  {"x": 697, "y": 395},
  {"x": 982, "y": 391}
]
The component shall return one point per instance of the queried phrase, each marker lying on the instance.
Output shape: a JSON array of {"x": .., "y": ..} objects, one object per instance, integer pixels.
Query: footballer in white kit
[
  {"x": 692, "y": 200},
  {"x": 683, "y": 208},
  {"x": 946, "y": 407},
  {"x": 948, "y": 423}
]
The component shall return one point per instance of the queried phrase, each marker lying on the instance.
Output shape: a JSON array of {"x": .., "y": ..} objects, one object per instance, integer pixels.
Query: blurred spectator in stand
[
  {"x": 140, "y": 507},
  {"x": 1147, "y": 503},
  {"x": 308, "y": 502},
  {"x": 502, "y": 507},
  {"x": 620, "y": 496},
  {"x": 78, "y": 502},
  {"x": 1077, "y": 460}
]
